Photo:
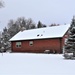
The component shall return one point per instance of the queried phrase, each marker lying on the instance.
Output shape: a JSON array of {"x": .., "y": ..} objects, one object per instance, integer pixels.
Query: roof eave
[{"x": 35, "y": 39}]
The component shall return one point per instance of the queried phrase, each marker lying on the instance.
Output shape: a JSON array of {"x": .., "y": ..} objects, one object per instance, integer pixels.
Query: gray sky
[{"x": 47, "y": 11}]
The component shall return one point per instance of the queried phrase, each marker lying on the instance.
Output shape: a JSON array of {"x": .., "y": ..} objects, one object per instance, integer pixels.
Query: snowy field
[{"x": 35, "y": 64}]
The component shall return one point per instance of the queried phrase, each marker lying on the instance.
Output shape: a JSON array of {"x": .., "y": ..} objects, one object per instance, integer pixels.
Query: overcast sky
[{"x": 47, "y": 11}]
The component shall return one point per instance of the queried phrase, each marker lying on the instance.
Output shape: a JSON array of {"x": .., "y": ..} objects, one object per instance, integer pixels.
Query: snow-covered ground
[{"x": 35, "y": 64}]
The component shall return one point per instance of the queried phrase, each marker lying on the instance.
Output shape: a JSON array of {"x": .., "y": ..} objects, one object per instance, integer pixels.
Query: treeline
[{"x": 14, "y": 27}]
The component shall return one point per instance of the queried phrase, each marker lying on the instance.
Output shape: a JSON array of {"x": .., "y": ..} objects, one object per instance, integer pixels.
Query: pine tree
[
  {"x": 39, "y": 25},
  {"x": 4, "y": 41},
  {"x": 69, "y": 47}
]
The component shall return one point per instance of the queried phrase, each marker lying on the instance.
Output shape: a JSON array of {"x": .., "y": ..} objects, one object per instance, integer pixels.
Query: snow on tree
[
  {"x": 4, "y": 41},
  {"x": 69, "y": 48}
]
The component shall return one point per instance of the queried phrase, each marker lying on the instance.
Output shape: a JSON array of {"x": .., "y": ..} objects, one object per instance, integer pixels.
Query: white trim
[{"x": 18, "y": 44}]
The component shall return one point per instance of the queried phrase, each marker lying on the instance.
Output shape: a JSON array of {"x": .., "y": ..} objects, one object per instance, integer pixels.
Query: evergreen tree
[
  {"x": 4, "y": 41},
  {"x": 69, "y": 47},
  {"x": 39, "y": 25}
]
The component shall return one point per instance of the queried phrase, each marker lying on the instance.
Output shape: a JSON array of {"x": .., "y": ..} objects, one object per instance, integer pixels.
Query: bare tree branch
[{"x": 1, "y": 3}]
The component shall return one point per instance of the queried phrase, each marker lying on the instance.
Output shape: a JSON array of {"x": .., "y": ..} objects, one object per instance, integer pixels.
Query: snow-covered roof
[{"x": 41, "y": 33}]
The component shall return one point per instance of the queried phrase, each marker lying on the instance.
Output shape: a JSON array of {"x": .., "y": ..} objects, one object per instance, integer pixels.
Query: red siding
[{"x": 39, "y": 46}]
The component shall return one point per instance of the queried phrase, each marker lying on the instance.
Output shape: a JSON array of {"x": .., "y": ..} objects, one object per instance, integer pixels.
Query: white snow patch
[{"x": 35, "y": 64}]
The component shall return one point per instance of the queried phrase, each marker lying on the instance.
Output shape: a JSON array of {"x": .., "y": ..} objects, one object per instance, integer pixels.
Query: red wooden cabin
[{"x": 41, "y": 39}]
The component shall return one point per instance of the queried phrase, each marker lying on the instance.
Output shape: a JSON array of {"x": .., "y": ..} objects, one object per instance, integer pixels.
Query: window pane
[
  {"x": 31, "y": 43},
  {"x": 18, "y": 44}
]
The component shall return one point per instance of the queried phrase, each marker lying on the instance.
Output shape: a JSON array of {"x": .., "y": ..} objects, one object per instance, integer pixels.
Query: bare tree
[
  {"x": 11, "y": 22},
  {"x": 1, "y": 3},
  {"x": 21, "y": 21},
  {"x": 19, "y": 25},
  {"x": 27, "y": 23},
  {"x": 30, "y": 24}
]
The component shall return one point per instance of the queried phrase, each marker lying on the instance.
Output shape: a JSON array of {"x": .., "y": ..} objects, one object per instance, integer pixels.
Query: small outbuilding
[{"x": 40, "y": 40}]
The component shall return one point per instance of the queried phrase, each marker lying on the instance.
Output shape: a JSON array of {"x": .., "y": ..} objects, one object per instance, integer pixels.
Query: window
[
  {"x": 18, "y": 44},
  {"x": 31, "y": 43},
  {"x": 66, "y": 40}
]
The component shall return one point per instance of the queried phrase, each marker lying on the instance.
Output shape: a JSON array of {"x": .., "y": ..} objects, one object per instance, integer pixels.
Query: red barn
[{"x": 41, "y": 39}]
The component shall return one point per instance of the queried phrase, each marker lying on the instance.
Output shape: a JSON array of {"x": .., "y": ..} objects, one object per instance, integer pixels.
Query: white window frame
[
  {"x": 18, "y": 44},
  {"x": 30, "y": 43}
]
